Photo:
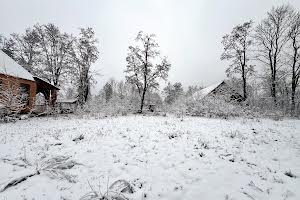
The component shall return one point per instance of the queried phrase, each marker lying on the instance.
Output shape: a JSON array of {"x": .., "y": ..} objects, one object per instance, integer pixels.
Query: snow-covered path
[{"x": 162, "y": 157}]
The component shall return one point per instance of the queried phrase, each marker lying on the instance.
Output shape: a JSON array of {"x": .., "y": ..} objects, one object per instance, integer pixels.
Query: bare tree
[
  {"x": 7, "y": 46},
  {"x": 294, "y": 37},
  {"x": 236, "y": 49},
  {"x": 56, "y": 48},
  {"x": 26, "y": 49},
  {"x": 86, "y": 53},
  {"x": 173, "y": 92},
  {"x": 271, "y": 37},
  {"x": 144, "y": 65}
]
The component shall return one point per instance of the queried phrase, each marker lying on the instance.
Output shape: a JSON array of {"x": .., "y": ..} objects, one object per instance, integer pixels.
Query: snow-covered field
[{"x": 161, "y": 157}]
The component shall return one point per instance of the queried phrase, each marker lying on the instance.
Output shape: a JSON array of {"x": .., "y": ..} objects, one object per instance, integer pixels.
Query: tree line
[
  {"x": 264, "y": 62},
  {"x": 269, "y": 53}
]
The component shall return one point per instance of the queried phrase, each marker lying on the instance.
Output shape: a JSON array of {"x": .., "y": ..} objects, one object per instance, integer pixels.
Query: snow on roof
[
  {"x": 11, "y": 68},
  {"x": 66, "y": 100},
  {"x": 205, "y": 91}
]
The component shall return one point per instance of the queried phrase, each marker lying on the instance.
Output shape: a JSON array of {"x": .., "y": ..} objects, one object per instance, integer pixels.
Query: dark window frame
[{"x": 24, "y": 88}]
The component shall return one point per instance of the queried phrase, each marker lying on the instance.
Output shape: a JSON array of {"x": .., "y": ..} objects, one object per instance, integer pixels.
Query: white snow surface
[
  {"x": 164, "y": 158},
  {"x": 10, "y": 67},
  {"x": 205, "y": 91}
]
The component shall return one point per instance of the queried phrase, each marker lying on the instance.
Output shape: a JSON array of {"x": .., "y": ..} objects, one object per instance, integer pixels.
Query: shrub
[{"x": 11, "y": 100}]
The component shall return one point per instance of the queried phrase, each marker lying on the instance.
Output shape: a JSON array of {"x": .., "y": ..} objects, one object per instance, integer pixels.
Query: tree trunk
[
  {"x": 142, "y": 100},
  {"x": 293, "y": 99},
  {"x": 294, "y": 78},
  {"x": 273, "y": 83},
  {"x": 273, "y": 91},
  {"x": 244, "y": 82},
  {"x": 145, "y": 75}
]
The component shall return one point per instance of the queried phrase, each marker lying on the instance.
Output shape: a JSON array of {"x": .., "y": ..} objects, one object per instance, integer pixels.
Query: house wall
[
  {"x": 227, "y": 92},
  {"x": 16, "y": 83}
]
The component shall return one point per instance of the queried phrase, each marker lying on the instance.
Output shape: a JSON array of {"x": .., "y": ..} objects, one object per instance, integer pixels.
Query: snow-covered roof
[
  {"x": 66, "y": 100},
  {"x": 11, "y": 68},
  {"x": 205, "y": 91}
]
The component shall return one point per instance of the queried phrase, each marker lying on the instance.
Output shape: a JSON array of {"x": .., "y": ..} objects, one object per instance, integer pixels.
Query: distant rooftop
[
  {"x": 11, "y": 68},
  {"x": 205, "y": 91}
]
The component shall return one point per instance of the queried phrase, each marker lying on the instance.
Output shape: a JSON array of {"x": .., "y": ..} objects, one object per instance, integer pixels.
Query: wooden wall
[{"x": 16, "y": 82}]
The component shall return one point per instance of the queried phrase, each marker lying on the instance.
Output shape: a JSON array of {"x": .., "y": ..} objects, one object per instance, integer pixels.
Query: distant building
[
  {"x": 27, "y": 84},
  {"x": 221, "y": 89},
  {"x": 67, "y": 105}
]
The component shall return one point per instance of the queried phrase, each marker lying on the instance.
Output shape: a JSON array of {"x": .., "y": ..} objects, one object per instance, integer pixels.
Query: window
[{"x": 24, "y": 93}]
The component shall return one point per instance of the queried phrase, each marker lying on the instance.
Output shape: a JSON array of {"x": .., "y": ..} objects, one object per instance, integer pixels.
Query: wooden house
[{"x": 14, "y": 77}]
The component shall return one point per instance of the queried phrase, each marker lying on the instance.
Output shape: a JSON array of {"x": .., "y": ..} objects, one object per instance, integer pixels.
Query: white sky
[{"x": 189, "y": 32}]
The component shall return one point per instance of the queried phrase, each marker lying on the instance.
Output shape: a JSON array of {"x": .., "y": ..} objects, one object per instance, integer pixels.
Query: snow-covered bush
[
  {"x": 214, "y": 106},
  {"x": 11, "y": 100},
  {"x": 116, "y": 106},
  {"x": 210, "y": 106},
  {"x": 179, "y": 107}
]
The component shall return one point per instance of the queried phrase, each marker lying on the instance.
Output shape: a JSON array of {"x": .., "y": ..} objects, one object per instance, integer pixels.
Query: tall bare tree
[
  {"x": 144, "y": 66},
  {"x": 271, "y": 37},
  {"x": 56, "y": 48},
  {"x": 237, "y": 49},
  {"x": 294, "y": 37},
  {"x": 86, "y": 53}
]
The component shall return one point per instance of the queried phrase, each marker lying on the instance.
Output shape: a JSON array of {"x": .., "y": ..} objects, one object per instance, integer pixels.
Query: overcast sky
[{"x": 189, "y": 32}]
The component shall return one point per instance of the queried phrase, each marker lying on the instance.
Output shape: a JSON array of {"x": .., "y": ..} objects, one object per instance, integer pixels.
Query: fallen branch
[
  {"x": 53, "y": 166},
  {"x": 248, "y": 195},
  {"x": 17, "y": 181}
]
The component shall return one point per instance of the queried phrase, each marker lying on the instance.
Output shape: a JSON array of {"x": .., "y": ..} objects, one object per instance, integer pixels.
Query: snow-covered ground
[{"x": 162, "y": 157}]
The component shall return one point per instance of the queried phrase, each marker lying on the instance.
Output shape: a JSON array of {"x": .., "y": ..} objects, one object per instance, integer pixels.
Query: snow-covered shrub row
[
  {"x": 116, "y": 106},
  {"x": 214, "y": 107},
  {"x": 211, "y": 106}
]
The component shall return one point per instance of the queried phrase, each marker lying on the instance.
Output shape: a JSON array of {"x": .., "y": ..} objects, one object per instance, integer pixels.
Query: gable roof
[
  {"x": 39, "y": 79},
  {"x": 11, "y": 68},
  {"x": 205, "y": 91}
]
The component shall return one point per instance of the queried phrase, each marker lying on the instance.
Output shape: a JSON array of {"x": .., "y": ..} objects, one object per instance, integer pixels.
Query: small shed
[{"x": 67, "y": 105}]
